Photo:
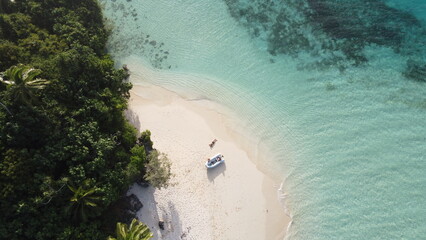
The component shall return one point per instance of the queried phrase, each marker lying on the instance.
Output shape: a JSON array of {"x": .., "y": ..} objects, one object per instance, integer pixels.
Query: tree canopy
[
  {"x": 67, "y": 153},
  {"x": 65, "y": 144}
]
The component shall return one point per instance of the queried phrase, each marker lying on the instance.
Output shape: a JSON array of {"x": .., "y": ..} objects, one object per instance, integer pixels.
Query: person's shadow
[{"x": 212, "y": 173}]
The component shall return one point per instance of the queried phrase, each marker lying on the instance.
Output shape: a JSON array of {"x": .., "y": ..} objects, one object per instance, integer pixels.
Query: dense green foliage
[
  {"x": 136, "y": 167},
  {"x": 158, "y": 169},
  {"x": 66, "y": 151},
  {"x": 145, "y": 140},
  {"x": 149, "y": 165},
  {"x": 136, "y": 231}
]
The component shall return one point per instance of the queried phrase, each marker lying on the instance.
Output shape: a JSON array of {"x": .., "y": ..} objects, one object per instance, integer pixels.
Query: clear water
[{"x": 334, "y": 89}]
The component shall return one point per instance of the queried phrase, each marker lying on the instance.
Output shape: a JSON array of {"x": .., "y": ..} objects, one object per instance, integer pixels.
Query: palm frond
[
  {"x": 121, "y": 231},
  {"x": 84, "y": 200},
  {"x": 38, "y": 83},
  {"x": 31, "y": 73},
  {"x": 88, "y": 192},
  {"x": 15, "y": 73},
  {"x": 6, "y": 82},
  {"x": 135, "y": 231},
  {"x": 72, "y": 188},
  {"x": 22, "y": 80},
  {"x": 89, "y": 203}
]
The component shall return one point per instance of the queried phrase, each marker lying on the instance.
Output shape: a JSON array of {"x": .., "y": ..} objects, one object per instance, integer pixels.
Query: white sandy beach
[{"x": 233, "y": 201}]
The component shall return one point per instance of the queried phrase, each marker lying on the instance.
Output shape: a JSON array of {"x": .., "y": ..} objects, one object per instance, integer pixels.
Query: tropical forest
[{"x": 67, "y": 152}]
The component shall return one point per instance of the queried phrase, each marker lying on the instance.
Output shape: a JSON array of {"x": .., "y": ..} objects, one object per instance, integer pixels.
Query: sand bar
[{"x": 233, "y": 201}]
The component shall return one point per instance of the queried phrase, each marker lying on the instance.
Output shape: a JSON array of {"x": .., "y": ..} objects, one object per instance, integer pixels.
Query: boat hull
[{"x": 215, "y": 161}]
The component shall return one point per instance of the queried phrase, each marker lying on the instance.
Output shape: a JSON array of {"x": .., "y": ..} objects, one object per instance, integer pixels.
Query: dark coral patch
[{"x": 333, "y": 32}]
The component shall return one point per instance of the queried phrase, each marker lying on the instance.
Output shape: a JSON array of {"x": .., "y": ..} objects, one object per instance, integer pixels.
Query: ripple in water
[{"x": 334, "y": 90}]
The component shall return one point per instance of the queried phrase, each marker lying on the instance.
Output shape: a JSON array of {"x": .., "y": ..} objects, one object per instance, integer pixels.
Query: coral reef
[
  {"x": 416, "y": 71},
  {"x": 125, "y": 42},
  {"x": 333, "y": 33}
]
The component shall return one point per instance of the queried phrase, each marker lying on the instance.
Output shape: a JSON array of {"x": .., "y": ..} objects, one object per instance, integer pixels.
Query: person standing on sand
[{"x": 212, "y": 143}]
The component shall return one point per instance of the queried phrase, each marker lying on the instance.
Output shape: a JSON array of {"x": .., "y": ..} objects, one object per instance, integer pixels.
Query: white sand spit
[{"x": 233, "y": 201}]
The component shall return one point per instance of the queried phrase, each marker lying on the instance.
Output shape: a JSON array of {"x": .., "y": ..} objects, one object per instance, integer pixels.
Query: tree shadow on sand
[
  {"x": 133, "y": 118},
  {"x": 212, "y": 173},
  {"x": 146, "y": 196},
  {"x": 152, "y": 213},
  {"x": 172, "y": 224}
]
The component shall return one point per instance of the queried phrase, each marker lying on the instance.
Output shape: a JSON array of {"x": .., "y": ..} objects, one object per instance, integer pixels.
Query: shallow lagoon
[{"x": 338, "y": 101}]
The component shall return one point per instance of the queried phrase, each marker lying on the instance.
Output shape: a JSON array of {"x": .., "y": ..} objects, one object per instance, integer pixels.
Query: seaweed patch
[
  {"x": 333, "y": 33},
  {"x": 125, "y": 42}
]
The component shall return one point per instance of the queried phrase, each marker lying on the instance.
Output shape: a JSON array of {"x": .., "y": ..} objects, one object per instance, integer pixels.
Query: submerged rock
[
  {"x": 142, "y": 183},
  {"x": 123, "y": 210},
  {"x": 416, "y": 71},
  {"x": 134, "y": 203},
  {"x": 161, "y": 225},
  {"x": 335, "y": 31}
]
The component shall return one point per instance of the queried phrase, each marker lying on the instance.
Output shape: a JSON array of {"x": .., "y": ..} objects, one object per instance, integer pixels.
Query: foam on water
[{"x": 342, "y": 113}]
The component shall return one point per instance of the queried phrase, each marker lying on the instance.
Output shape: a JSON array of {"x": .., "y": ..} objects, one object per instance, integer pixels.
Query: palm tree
[
  {"x": 7, "y": 109},
  {"x": 22, "y": 81},
  {"x": 83, "y": 202},
  {"x": 136, "y": 231}
]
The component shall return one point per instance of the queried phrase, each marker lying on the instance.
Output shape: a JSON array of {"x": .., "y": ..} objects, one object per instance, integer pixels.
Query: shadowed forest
[{"x": 67, "y": 152}]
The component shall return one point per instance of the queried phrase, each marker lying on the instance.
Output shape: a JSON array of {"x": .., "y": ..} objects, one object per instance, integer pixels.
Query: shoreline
[{"x": 232, "y": 201}]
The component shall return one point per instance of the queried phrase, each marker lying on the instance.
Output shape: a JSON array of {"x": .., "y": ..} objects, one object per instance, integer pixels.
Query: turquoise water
[{"x": 334, "y": 90}]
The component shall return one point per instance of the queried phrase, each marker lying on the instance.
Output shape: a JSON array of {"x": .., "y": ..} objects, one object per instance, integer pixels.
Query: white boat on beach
[{"x": 215, "y": 161}]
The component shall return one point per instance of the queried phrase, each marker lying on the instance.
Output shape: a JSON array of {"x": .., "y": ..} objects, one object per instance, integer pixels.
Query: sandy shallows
[{"x": 233, "y": 201}]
